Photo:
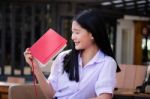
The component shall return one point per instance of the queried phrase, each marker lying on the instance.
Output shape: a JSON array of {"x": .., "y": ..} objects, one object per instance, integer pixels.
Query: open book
[{"x": 47, "y": 47}]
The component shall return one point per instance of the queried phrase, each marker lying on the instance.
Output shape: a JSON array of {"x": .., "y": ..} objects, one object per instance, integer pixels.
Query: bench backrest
[{"x": 131, "y": 76}]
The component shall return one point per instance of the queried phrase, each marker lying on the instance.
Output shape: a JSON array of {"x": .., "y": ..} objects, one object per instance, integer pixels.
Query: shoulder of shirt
[
  {"x": 109, "y": 59},
  {"x": 64, "y": 53}
]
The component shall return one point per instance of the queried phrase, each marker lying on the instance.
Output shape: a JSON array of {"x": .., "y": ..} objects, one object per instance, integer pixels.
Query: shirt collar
[{"x": 99, "y": 57}]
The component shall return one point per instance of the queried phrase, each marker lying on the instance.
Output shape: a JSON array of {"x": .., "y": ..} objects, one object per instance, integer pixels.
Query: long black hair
[{"x": 92, "y": 21}]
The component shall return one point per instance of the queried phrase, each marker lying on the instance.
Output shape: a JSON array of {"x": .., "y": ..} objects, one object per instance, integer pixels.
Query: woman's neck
[{"x": 88, "y": 54}]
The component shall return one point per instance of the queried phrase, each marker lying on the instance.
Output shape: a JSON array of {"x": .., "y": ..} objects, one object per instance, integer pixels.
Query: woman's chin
[{"x": 77, "y": 48}]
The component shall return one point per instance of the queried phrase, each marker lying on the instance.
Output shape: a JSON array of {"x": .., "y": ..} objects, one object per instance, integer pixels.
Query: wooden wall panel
[{"x": 138, "y": 42}]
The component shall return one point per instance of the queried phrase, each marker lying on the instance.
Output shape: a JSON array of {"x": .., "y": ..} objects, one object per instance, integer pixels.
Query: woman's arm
[
  {"x": 47, "y": 88},
  {"x": 104, "y": 96}
]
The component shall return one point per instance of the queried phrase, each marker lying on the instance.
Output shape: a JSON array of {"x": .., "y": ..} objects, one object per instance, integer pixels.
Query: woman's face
[{"x": 81, "y": 37}]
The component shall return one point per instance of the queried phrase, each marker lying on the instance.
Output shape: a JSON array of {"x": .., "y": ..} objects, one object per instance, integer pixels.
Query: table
[
  {"x": 129, "y": 94},
  {"x": 4, "y": 88}
]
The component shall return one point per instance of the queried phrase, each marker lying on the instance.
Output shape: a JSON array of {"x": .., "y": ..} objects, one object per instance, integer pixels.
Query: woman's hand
[
  {"x": 45, "y": 86},
  {"x": 28, "y": 56}
]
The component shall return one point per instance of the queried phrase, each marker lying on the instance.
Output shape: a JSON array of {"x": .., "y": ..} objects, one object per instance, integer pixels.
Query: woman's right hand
[
  {"x": 44, "y": 85},
  {"x": 28, "y": 56}
]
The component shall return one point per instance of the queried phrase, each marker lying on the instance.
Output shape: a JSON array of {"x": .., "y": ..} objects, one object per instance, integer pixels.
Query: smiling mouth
[{"x": 76, "y": 43}]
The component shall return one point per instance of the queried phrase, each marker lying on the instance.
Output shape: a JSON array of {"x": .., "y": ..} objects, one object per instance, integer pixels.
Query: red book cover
[{"x": 48, "y": 46}]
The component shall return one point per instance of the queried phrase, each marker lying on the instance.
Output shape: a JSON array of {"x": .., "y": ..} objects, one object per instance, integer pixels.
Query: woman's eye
[{"x": 75, "y": 32}]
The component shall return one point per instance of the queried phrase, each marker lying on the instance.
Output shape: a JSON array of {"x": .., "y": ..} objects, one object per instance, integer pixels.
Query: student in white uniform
[{"x": 88, "y": 71}]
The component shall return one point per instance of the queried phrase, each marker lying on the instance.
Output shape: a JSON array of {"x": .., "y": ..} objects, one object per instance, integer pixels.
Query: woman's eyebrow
[{"x": 75, "y": 30}]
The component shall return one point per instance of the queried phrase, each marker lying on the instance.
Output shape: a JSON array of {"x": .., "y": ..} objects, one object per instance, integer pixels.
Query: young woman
[{"x": 88, "y": 71}]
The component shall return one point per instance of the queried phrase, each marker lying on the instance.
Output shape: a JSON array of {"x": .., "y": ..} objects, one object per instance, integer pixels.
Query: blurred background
[{"x": 22, "y": 22}]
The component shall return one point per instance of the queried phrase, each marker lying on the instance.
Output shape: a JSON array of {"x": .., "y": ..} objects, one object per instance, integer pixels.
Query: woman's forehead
[{"x": 75, "y": 26}]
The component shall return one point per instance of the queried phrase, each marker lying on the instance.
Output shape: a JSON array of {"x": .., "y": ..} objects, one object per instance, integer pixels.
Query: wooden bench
[
  {"x": 128, "y": 79},
  {"x": 131, "y": 76}
]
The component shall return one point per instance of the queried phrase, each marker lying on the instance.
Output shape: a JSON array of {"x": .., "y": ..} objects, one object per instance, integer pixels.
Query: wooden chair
[{"x": 25, "y": 91}]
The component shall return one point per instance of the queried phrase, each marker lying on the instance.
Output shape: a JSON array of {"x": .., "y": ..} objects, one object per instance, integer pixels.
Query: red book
[{"x": 48, "y": 46}]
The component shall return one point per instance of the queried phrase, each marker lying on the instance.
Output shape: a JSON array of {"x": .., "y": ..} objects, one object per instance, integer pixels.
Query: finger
[
  {"x": 27, "y": 52},
  {"x": 28, "y": 59},
  {"x": 29, "y": 56}
]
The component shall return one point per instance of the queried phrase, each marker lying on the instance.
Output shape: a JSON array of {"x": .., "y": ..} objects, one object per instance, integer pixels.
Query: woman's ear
[{"x": 91, "y": 36}]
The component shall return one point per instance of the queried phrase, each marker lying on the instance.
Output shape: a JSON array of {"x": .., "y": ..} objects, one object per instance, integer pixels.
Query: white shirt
[{"x": 98, "y": 76}]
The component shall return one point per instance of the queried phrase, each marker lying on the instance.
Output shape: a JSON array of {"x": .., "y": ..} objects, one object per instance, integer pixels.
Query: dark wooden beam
[
  {"x": 124, "y": 4},
  {"x": 111, "y": 13},
  {"x": 26, "y": 1},
  {"x": 45, "y": 1},
  {"x": 112, "y": 4},
  {"x": 80, "y": 1},
  {"x": 3, "y": 40},
  {"x": 146, "y": 7},
  {"x": 135, "y": 7},
  {"x": 23, "y": 36},
  {"x": 12, "y": 31},
  {"x": 33, "y": 24}
]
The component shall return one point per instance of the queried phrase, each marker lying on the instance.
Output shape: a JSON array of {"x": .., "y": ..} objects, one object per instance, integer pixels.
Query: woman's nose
[{"x": 73, "y": 36}]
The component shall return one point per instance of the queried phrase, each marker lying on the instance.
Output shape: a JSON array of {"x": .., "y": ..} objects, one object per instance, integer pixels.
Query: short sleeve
[
  {"x": 56, "y": 70},
  {"x": 107, "y": 77}
]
